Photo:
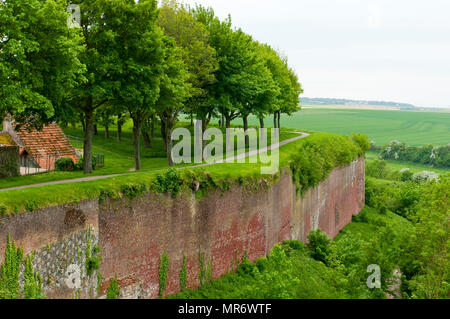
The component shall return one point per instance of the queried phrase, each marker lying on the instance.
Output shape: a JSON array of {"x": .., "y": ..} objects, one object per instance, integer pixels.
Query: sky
[{"x": 390, "y": 50}]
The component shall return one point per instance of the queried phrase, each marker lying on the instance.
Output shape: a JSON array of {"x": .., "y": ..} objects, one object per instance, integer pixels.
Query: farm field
[{"x": 382, "y": 126}]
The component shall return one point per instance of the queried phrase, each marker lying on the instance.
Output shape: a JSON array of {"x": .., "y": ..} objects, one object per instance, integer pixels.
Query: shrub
[
  {"x": 363, "y": 142},
  {"x": 162, "y": 272},
  {"x": 113, "y": 290},
  {"x": 133, "y": 190},
  {"x": 406, "y": 175},
  {"x": 167, "y": 182},
  {"x": 65, "y": 164},
  {"x": 79, "y": 165},
  {"x": 318, "y": 245},
  {"x": 425, "y": 176},
  {"x": 3, "y": 210},
  {"x": 319, "y": 155}
]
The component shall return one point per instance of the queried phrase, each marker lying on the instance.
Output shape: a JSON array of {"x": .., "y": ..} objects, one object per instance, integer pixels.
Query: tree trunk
[
  {"x": 166, "y": 131},
  {"x": 227, "y": 121},
  {"x": 89, "y": 132},
  {"x": 119, "y": 128},
  {"x": 169, "y": 146},
  {"x": 223, "y": 121},
  {"x": 106, "y": 131},
  {"x": 163, "y": 134},
  {"x": 261, "y": 122},
  {"x": 247, "y": 139},
  {"x": 279, "y": 116},
  {"x": 204, "y": 127},
  {"x": 275, "y": 119},
  {"x": 95, "y": 129},
  {"x": 137, "y": 143},
  {"x": 83, "y": 122},
  {"x": 147, "y": 140},
  {"x": 152, "y": 125}
]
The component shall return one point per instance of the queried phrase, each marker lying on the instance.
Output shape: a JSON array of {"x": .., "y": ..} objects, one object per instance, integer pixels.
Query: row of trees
[{"x": 131, "y": 58}]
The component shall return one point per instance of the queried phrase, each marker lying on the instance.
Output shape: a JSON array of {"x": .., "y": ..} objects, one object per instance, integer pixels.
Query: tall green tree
[
  {"x": 178, "y": 22},
  {"x": 93, "y": 93},
  {"x": 38, "y": 59},
  {"x": 174, "y": 91},
  {"x": 128, "y": 60}
]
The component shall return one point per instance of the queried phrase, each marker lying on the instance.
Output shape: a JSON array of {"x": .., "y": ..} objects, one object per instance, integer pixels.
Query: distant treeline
[
  {"x": 436, "y": 156},
  {"x": 326, "y": 101}
]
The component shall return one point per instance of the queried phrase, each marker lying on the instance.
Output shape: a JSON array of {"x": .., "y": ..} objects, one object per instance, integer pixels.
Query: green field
[{"x": 382, "y": 126}]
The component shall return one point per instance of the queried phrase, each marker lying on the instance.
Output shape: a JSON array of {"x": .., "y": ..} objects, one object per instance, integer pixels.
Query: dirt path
[{"x": 94, "y": 178}]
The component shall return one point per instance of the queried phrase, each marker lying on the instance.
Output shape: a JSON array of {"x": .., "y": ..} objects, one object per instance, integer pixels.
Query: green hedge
[
  {"x": 320, "y": 154},
  {"x": 427, "y": 154}
]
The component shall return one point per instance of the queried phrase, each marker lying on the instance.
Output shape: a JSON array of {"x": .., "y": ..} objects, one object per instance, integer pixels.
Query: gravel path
[{"x": 94, "y": 178}]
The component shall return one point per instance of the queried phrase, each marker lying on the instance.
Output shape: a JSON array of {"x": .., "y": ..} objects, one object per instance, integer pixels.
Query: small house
[{"x": 38, "y": 149}]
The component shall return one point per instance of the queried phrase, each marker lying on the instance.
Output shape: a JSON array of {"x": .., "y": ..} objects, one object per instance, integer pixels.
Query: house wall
[
  {"x": 133, "y": 234},
  {"x": 9, "y": 161}
]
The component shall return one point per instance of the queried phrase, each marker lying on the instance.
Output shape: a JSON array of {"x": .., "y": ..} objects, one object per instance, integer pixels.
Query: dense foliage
[
  {"x": 148, "y": 61},
  {"x": 320, "y": 154},
  {"x": 10, "y": 275},
  {"x": 427, "y": 154}
]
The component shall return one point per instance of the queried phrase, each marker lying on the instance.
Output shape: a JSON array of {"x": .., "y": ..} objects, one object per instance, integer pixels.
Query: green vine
[
  {"x": 163, "y": 268},
  {"x": 205, "y": 274},
  {"x": 113, "y": 290},
  {"x": 183, "y": 275},
  {"x": 10, "y": 270},
  {"x": 33, "y": 281},
  {"x": 93, "y": 257}
]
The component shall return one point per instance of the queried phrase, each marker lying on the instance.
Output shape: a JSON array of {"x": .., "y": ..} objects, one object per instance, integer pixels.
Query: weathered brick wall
[
  {"x": 9, "y": 161},
  {"x": 133, "y": 234},
  {"x": 56, "y": 238},
  {"x": 221, "y": 227}
]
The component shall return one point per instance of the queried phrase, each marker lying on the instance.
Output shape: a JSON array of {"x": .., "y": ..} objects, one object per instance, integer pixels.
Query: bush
[
  {"x": 65, "y": 164},
  {"x": 318, "y": 245},
  {"x": 363, "y": 142},
  {"x": 113, "y": 291},
  {"x": 319, "y": 155},
  {"x": 79, "y": 166},
  {"x": 132, "y": 190},
  {"x": 3, "y": 210},
  {"x": 427, "y": 154},
  {"x": 167, "y": 182}
]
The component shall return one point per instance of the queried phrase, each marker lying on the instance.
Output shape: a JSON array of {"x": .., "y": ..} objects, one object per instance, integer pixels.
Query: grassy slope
[
  {"x": 118, "y": 156},
  {"x": 39, "y": 197},
  {"x": 298, "y": 275},
  {"x": 382, "y": 126}
]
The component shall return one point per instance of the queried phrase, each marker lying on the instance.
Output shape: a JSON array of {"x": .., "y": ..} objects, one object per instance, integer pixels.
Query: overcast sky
[{"x": 396, "y": 50}]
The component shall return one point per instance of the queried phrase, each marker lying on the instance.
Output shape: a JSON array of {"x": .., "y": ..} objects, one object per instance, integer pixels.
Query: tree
[
  {"x": 174, "y": 90},
  {"x": 38, "y": 59},
  {"x": 136, "y": 47},
  {"x": 199, "y": 57},
  {"x": 90, "y": 95}
]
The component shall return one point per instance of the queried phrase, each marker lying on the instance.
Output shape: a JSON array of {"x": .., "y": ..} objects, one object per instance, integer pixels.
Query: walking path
[{"x": 94, "y": 178}]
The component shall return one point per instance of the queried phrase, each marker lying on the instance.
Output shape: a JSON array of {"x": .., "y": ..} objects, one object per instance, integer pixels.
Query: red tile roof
[{"x": 51, "y": 140}]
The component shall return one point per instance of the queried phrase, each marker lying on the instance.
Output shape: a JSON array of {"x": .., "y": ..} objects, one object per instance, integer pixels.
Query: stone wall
[
  {"x": 9, "y": 161},
  {"x": 133, "y": 234}
]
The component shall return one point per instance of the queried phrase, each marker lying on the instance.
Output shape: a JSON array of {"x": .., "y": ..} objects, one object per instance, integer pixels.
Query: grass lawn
[
  {"x": 119, "y": 156},
  {"x": 38, "y": 197},
  {"x": 382, "y": 126}
]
